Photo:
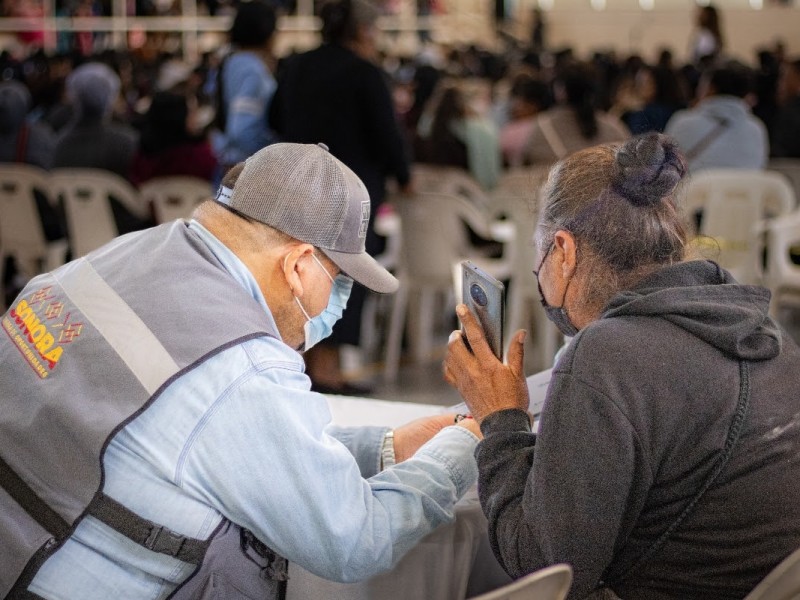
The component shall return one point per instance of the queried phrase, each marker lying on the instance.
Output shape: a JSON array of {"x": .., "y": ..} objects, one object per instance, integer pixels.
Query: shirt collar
[{"x": 233, "y": 265}]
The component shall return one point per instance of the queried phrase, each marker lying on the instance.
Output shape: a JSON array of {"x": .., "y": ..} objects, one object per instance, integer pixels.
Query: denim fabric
[
  {"x": 248, "y": 88},
  {"x": 243, "y": 437}
]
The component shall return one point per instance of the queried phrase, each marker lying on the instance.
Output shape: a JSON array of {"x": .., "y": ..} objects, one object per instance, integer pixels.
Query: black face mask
[{"x": 556, "y": 314}]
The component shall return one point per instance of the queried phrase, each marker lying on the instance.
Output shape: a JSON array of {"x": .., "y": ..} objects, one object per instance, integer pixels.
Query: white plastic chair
[
  {"x": 174, "y": 197},
  {"x": 21, "y": 231},
  {"x": 444, "y": 179},
  {"x": 789, "y": 168},
  {"x": 782, "y": 276},
  {"x": 85, "y": 197},
  {"x": 550, "y": 583},
  {"x": 517, "y": 199},
  {"x": 736, "y": 205},
  {"x": 433, "y": 239},
  {"x": 783, "y": 583}
]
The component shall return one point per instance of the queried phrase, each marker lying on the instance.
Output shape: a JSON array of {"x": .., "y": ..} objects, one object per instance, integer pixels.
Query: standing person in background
[
  {"x": 786, "y": 130},
  {"x": 720, "y": 131},
  {"x": 707, "y": 41},
  {"x": 335, "y": 94},
  {"x": 245, "y": 86}
]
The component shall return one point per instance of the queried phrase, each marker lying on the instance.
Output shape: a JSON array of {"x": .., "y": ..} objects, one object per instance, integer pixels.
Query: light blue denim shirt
[
  {"x": 243, "y": 437},
  {"x": 248, "y": 88}
]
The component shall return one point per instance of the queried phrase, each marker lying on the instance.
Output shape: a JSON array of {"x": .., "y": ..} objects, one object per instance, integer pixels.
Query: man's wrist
[{"x": 388, "y": 458}]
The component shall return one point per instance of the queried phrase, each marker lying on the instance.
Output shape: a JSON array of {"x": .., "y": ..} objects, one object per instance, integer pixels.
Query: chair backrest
[
  {"x": 174, "y": 197},
  {"x": 789, "y": 168},
  {"x": 783, "y": 583},
  {"x": 433, "y": 236},
  {"x": 21, "y": 231},
  {"x": 449, "y": 180},
  {"x": 85, "y": 194},
  {"x": 782, "y": 274},
  {"x": 550, "y": 583},
  {"x": 735, "y": 204},
  {"x": 770, "y": 190}
]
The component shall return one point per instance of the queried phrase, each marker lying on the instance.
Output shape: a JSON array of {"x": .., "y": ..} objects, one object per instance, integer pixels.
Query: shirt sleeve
[
  {"x": 566, "y": 494},
  {"x": 264, "y": 458},
  {"x": 364, "y": 443}
]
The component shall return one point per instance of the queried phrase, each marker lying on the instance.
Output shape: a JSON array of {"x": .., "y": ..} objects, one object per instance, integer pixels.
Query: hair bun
[{"x": 648, "y": 168}]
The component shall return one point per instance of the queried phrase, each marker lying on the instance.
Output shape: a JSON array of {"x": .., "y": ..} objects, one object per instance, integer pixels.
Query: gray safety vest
[{"x": 83, "y": 351}]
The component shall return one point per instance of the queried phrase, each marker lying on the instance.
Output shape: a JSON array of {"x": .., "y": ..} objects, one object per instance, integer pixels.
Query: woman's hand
[{"x": 486, "y": 384}]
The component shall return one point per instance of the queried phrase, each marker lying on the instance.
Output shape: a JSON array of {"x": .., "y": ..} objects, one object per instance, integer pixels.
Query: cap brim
[{"x": 365, "y": 270}]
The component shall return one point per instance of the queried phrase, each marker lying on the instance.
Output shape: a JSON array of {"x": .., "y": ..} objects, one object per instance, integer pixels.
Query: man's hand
[
  {"x": 486, "y": 384},
  {"x": 409, "y": 437}
]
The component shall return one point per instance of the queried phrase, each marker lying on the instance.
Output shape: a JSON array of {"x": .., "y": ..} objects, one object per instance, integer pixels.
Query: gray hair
[{"x": 619, "y": 202}]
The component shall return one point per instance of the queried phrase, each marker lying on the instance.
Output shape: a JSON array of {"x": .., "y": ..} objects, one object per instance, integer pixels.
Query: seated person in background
[
  {"x": 170, "y": 144},
  {"x": 92, "y": 140},
  {"x": 190, "y": 416},
  {"x": 657, "y": 93},
  {"x": 574, "y": 122},
  {"x": 785, "y": 140},
  {"x": 668, "y": 453},
  {"x": 450, "y": 133},
  {"x": 527, "y": 98},
  {"x": 21, "y": 141},
  {"x": 720, "y": 131},
  {"x": 28, "y": 143}
]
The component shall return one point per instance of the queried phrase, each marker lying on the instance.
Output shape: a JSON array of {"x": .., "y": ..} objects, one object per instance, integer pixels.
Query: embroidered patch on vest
[{"x": 39, "y": 329}]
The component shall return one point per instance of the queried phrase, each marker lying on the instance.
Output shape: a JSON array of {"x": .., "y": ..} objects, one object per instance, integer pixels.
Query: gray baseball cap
[{"x": 307, "y": 193}]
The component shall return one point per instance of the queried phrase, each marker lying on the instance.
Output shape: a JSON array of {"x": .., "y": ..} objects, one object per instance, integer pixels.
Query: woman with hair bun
[{"x": 666, "y": 460}]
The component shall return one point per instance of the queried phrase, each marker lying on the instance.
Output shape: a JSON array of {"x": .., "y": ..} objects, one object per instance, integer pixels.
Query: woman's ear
[{"x": 566, "y": 250}]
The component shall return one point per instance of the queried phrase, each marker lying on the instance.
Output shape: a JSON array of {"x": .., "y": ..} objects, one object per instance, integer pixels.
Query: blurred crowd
[{"x": 145, "y": 113}]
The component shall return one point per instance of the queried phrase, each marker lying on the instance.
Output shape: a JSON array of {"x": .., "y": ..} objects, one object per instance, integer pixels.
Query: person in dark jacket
[
  {"x": 785, "y": 141},
  {"x": 667, "y": 456},
  {"x": 336, "y": 95}
]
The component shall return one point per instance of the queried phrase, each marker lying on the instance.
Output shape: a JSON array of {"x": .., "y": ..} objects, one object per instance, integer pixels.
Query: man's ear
[
  {"x": 294, "y": 264},
  {"x": 566, "y": 252}
]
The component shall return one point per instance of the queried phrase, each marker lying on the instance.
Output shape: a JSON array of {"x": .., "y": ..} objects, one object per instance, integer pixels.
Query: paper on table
[{"x": 537, "y": 390}]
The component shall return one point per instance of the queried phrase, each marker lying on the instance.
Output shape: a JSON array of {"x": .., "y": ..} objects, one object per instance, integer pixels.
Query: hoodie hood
[
  {"x": 15, "y": 101},
  {"x": 730, "y": 108},
  {"x": 703, "y": 299}
]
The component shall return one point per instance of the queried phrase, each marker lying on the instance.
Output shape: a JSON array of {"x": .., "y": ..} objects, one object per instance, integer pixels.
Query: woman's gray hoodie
[{"x": 639, "y": 407}]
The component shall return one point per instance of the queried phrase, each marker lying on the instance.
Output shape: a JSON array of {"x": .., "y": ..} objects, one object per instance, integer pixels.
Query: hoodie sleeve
[{"x": 569, "y": 494}]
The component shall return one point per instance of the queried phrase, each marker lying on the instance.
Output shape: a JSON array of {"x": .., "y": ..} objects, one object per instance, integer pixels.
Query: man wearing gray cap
[{"x": 159, "y": 431}]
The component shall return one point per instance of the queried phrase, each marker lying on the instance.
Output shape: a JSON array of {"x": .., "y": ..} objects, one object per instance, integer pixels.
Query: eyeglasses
[{"x": 537, "y": 270}]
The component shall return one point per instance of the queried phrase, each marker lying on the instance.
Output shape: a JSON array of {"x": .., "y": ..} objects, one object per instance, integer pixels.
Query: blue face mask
[{"x": 318, "y": 328}]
